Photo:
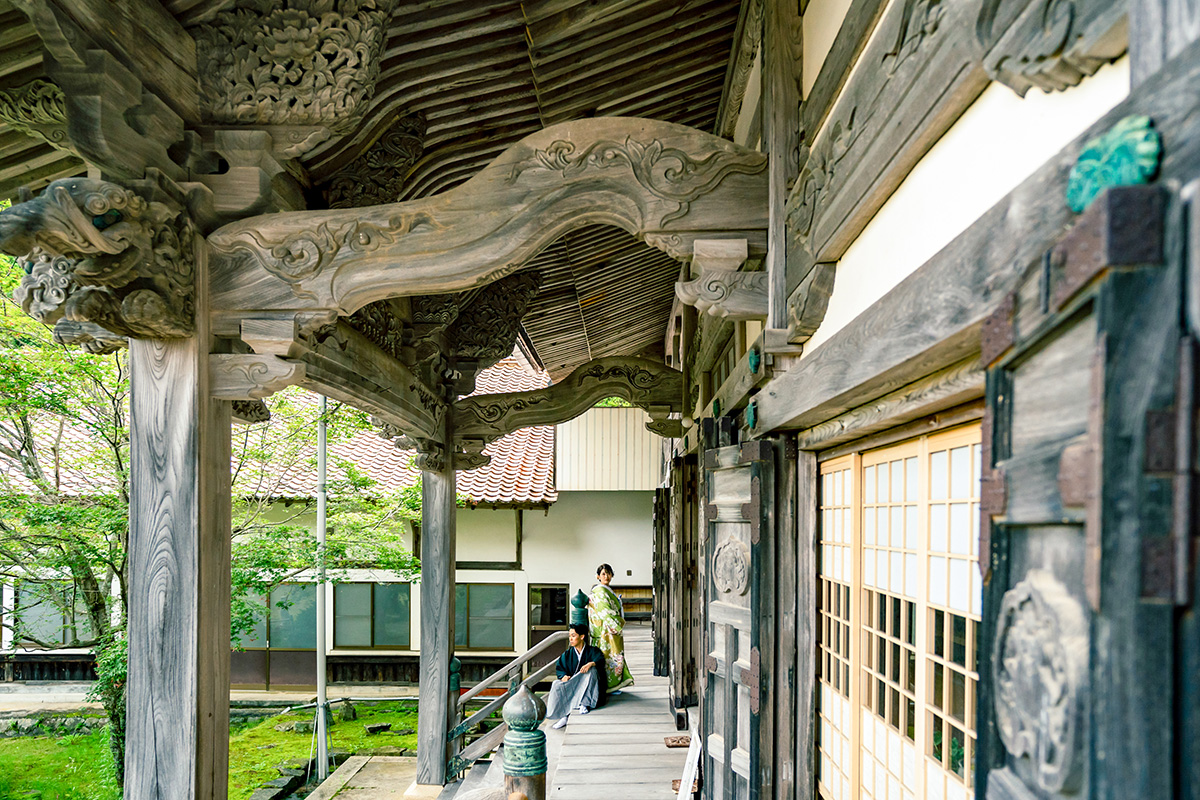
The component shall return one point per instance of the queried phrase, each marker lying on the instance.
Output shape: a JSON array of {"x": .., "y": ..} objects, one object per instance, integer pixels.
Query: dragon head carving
[{"x": 96, "y": 252}]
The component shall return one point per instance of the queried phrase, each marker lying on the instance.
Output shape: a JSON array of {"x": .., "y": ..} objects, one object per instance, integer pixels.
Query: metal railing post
[{"x": 525, "y": 745}]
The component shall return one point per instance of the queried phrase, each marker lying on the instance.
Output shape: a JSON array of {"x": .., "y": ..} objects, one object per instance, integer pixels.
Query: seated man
[{"x": 582, "y": 681}]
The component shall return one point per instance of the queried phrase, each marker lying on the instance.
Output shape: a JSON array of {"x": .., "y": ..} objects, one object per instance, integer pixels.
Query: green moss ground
[{"x": 78, "y": 767}]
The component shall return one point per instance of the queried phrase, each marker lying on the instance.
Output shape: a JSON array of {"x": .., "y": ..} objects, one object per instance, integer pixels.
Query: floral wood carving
[
  {"x": 642, "y": 382},
  {"x": 919, "y": 21},
  {"x": 731, "y": 567},
  {"x": 38, "y": 109},
  {"x": 486, "y": 330},
  {"x": 1039, "y": 664},
  {"x": 377, "y": 176},
  {"x": 95, "y": 252},
  {"x": 819, "y": 166},
  {"x": 666, "y": 172},
  {"x": 299, "y": 62},
  {"x": 1050, "y": 44},
  {"x": 1126, "y": 155},
  {"x": 378, "y": 323}
]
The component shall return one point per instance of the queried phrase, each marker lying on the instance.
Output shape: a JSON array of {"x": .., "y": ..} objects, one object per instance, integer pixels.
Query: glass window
[
  {"x": 392, "y": 614},
  {"x": 483, "y": 616},
  {"x": 352, "y": 615},
  {"x": 294, "y": 616},
  {"x": 371, "y": 615},
  {"x": 50, "y": 612},
  {"x": 548, "y": 605},
  {"x": 256, "y": 638}
]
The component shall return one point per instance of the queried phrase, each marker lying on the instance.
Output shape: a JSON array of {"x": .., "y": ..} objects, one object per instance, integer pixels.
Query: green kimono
[{"x": 606, "y": 619}]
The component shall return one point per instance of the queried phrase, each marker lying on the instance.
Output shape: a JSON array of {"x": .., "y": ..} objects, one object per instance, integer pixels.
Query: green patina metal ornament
[
  {"x": 524, "y": 744},
  {"x": 455, "y": 675},
  {"x": 579, "y": 608},
  {"x": 1127, "y": 155},
  {"x": 716, "y": 407},
  {"x": 752, "y": 415},
  {"x": 754, "y": 359}
]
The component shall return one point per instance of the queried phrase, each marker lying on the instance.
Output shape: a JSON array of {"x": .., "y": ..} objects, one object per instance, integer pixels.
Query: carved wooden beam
[
  {"x": 646, "y": 384},
  {"x": 251, "y": 377},
  {"x": 1052, "y": 46},
  {"x": 666, "y": 182},
  {"x": 141, "y": 34},
  {"x": 721, "y": 290},
  {"x": 342, "y": 363}
]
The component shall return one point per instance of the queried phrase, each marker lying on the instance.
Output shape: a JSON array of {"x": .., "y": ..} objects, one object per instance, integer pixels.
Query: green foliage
[
  {"x": 614, "y": 402},
  {"x": 64, "y": 492}
]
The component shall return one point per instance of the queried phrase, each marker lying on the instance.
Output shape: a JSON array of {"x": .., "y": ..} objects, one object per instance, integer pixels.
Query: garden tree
[{"x": 64, "y": 494}]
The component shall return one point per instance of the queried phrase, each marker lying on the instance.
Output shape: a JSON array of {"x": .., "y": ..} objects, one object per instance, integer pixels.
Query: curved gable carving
[{"x": 667, "y": 183}]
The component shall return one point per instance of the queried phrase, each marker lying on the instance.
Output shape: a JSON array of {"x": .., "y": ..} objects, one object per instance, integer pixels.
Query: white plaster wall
[
  {"x": 821, "y": 23},
  {"x": 583, "y": 530},
  {"x": 999, "y": 142},
  {"x": 564, "y": 545},
  {"x": 488, "y": 535},
  {"x": 606, "y": 449}
]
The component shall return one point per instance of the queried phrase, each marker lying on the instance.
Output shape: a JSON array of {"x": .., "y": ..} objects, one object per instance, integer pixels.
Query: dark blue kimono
[{"x": 569, "y": 663}]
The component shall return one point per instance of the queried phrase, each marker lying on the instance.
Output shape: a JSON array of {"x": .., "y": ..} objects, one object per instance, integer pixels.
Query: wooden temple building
[{"x": 908, "y": 288}]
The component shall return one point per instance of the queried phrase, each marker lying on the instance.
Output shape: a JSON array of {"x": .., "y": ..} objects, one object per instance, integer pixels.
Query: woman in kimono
[{"x": 606, "y": 619}]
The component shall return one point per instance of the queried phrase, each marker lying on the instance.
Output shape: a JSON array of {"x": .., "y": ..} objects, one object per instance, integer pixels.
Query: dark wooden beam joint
[
  {"x": 710, "y": 663},
  {"x": 751, "y": 678},
  {"x": 1122, "y": 228},
  {"x": 752, "y": 511},
  {"x": 998, "y": 331}
]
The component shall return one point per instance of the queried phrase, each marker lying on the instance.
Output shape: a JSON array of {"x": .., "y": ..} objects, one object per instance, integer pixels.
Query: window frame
[
  {"x": 405, "y": 648},
  {"x": 467, "y": 647}
]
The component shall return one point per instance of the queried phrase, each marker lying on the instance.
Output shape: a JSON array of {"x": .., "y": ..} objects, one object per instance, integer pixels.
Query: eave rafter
[{"x": 650, "y": 385}]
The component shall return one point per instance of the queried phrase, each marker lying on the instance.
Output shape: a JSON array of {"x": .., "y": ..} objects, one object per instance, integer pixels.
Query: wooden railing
[{"x": 463, "y": 757}]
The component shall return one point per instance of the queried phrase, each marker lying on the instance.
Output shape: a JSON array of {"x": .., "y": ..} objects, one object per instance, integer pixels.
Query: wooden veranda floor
[
  {"x": 618, "y": 752},
  {"x": 615, "y": 753}
]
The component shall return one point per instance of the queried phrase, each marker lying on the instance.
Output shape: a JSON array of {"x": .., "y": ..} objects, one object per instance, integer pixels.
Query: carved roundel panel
[
  {"x": 1038, "y": 664},
  {"x": 731, "y": 567}
]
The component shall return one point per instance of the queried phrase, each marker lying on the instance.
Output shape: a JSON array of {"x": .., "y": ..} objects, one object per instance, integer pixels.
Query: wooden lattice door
[
  {"x": 738, "y": 589},
  {"x": 661, "y": 618}
]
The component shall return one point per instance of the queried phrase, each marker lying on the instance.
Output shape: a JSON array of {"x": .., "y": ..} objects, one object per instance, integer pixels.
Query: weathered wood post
[
  {"x": 525, "y": 745},
  {"x": 437, "y": 617},
  {"x": 128, "y": 263},
  {"x": 177, "y": 734}
]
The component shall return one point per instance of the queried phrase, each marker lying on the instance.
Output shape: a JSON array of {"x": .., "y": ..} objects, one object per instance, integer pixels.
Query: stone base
[{"x": 423, "y": 790}]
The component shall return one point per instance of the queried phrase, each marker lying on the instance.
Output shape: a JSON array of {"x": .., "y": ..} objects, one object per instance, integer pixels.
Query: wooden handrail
[
  {"x": 504, "y": 671},
  {"x": 497, "y": 702}
]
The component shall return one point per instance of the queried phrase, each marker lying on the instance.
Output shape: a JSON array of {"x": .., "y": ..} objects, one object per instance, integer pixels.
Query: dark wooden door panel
[
  {"x": 1077, "y": 662},
  {"x": 738, "y": 640}
]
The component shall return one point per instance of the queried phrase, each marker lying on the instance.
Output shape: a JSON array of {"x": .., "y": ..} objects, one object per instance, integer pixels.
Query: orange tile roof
[{"x": 521, "y": 471}]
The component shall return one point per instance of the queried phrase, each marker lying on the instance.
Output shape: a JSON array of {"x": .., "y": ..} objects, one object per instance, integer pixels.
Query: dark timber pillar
[
  {"x": 782, "y": 48},
  {"x": 437, "y": 620},
  {"x": 177, "y": 739}
]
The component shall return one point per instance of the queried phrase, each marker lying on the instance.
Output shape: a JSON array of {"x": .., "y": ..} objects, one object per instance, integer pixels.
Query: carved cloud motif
[{"x": 666, "y": 172}]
